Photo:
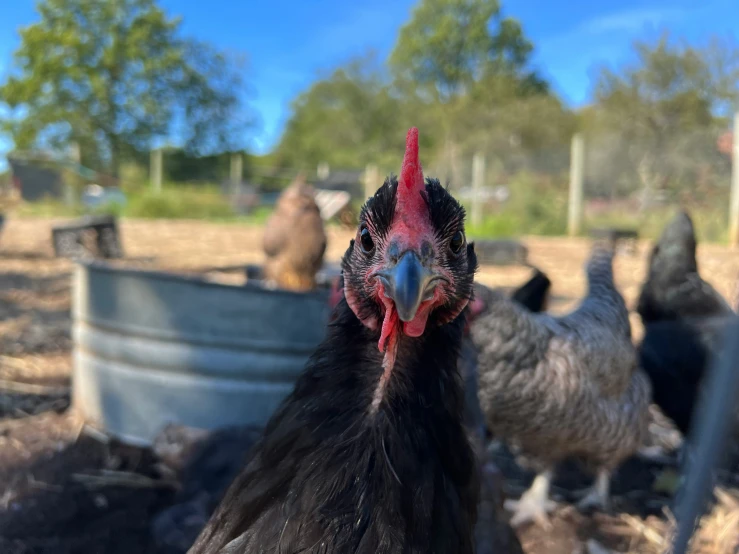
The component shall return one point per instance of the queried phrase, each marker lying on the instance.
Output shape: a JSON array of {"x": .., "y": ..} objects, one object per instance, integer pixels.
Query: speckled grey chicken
[
  {"x": 564, "y": 387},
  {"x": 532, "y": 295},
  {"x": 294, "y": 239}
]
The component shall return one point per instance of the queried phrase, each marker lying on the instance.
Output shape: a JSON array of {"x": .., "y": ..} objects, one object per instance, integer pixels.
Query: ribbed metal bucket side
[{"x": 152, "y": 348}]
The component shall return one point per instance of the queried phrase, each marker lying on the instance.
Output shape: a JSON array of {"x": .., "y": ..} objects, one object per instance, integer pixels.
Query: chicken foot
[{"x": 534, "y": 504}]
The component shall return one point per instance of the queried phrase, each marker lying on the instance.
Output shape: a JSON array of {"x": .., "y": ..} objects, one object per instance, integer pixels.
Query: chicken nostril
[
  {"x": 427, "y": 251},
  {"x": 393, "y": 252}
]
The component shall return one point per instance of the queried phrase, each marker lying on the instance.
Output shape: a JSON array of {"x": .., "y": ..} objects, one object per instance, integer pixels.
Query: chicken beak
[{"x": 408, "y": 284}]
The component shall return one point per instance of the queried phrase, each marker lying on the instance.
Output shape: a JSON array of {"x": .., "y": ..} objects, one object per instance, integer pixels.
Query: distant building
[
  {"x": 36, "y": 182},
  {"x": 349, "y": 180},
  {"x": 41, "y": 174}
]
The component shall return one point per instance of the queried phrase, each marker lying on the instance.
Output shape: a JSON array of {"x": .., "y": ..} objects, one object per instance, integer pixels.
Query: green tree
[
  {"x": 449, "y": 52},
  {"x": 517, "y": 132},
  {"x": 114, "y": 75},
  {"x": 448, "y": 45},
  {"x": 348, "y": 120},
  {"x": 655, "y": 122}
]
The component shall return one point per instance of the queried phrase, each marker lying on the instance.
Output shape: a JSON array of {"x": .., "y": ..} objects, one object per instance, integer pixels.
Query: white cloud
[{"x": 631, "y": 21}]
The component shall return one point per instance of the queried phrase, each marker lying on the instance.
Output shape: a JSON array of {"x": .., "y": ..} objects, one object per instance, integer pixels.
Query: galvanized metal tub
[{"x": 153, "y": 348}]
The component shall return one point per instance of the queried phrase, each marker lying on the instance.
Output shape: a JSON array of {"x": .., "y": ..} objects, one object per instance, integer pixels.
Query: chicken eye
[
  {"x": 365, "y": 239},
  {"x": 455, "y": 245}
]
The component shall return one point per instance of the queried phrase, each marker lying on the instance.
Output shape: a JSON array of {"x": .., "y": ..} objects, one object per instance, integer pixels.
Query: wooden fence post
[
  {"x": 71, "y": 186},
  {"x": 577, "y": 166},
  {"x": 371, "y": 180},
  {"x": 734, "y": 199},
  {"x": 237, "y": 171},
  {"x": 478, "y": 179},
  {"x": 322, "y": 171},
  {"x": 155, "y": 169}
]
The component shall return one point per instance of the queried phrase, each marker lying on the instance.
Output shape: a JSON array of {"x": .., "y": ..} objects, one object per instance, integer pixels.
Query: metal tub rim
[{"x": 105, "y": 267}]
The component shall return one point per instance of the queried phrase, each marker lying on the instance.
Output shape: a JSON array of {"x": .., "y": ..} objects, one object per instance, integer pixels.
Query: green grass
[
  {"x": 178, "y": 203},
  {"x": 711, "y": 222},
  {"x": 172, "y": 202},
  {"x": 534, "y": 208},
  {"x": 45, "y": 208}
]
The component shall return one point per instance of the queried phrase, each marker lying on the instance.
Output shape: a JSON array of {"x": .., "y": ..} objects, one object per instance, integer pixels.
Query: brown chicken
[{"x": 294, "y": 239}]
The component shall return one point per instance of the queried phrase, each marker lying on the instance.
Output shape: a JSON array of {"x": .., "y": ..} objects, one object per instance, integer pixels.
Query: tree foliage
[
  {"x": 449, "y": 56},
  {"x": 655, "y": 122},
  {"x": 116, "y": 75},
  {"x": 349, "y": 119},
  {"x": 113, "y": 75},
  {"x": 459, "y": 70},
  {"x": 448, "y": 45}
]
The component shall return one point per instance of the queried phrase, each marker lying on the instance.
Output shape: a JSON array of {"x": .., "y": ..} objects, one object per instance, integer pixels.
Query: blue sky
[{"x": 291, "y": 42}]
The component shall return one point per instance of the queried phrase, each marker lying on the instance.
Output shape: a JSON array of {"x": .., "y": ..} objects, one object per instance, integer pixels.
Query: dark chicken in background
[
  {"x": 563, "y": 387},
  {"x": 368, "y": 454},
  {"x": 534, "y": 294},
  {"x": 674, "y": 290},
  {"x": 294, "y": 239},
  {"x": 684, "y": 320}
]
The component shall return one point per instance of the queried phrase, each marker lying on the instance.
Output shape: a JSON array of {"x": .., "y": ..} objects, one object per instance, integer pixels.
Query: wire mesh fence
[
  {"x": 511, "y": 184},
  {"x": 625, "y": 183}
]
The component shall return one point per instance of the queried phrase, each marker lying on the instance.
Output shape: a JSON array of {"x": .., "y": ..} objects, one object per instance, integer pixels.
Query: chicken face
[{"x": 409, "y": 266}]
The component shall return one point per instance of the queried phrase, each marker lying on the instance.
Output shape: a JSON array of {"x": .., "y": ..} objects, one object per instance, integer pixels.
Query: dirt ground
[{"x": 66, "y": 489}]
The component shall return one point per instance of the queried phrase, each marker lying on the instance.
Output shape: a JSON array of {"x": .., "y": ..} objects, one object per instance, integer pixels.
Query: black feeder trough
[
  {"x": 615, "y": 235},
  {"x": 501, "y": 252},
  {"x": 87, "y": 237}
]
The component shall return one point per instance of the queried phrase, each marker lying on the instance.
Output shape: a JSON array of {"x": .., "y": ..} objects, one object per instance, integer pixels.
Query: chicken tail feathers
[{"x": 600, "y": 266}]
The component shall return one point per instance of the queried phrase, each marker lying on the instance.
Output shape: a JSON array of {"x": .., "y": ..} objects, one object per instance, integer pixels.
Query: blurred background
[{"x": 185, "y": 110}]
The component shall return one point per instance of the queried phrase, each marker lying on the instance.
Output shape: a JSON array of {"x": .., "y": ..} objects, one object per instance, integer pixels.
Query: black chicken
[
  {"x": 534, "y": 293},
  {"x": 674, "y": 289},
  {"x": 684, "y": 321},
  {"x": 676, "y": 355},
  {"x": 368, "y": 454}
]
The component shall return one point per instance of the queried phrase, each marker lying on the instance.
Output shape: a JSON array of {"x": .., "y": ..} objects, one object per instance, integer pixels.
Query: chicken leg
[
  {"x": 534, "y": 504},
  {"x": 597, "y": 495}
]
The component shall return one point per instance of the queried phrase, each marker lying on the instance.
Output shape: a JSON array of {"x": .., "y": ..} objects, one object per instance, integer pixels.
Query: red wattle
[
  {"x": 416, "y": 326},
  {"x": 389, "y": 324}
]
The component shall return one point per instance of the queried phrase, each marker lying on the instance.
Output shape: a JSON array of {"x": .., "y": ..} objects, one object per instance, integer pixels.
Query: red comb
[{"x": 411, "y": 173}]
